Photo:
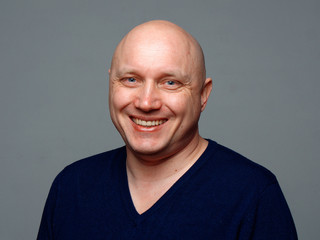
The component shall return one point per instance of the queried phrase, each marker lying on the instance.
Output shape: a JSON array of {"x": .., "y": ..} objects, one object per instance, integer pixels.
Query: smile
[{"x": 148, "y": 123}]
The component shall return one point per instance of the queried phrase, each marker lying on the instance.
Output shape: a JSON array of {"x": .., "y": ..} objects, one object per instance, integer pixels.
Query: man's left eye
[{"x": 171, "y": 83}]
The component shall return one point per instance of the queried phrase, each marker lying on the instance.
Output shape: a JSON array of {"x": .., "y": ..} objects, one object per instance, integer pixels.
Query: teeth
[{"x": 148, "y": 123}]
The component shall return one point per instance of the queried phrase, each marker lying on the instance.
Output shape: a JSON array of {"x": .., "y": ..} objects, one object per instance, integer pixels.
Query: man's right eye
[{"x": 131, "y": 80}]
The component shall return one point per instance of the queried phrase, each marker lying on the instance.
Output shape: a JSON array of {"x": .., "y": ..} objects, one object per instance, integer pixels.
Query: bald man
[{"x": 167, "y": 182}]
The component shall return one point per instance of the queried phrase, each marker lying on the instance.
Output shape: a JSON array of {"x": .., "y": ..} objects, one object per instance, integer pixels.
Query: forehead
[{"x": 154, "y": 54}]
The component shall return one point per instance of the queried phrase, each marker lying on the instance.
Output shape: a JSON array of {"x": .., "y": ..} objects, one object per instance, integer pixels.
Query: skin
[{"x": 158, "y": 76}]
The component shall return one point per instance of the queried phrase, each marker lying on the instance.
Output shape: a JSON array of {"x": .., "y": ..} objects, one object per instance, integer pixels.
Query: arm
[{"x": 271, "y": 217}]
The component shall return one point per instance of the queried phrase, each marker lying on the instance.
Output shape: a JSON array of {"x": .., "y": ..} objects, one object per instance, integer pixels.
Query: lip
[{"x": 147, "y": 124}]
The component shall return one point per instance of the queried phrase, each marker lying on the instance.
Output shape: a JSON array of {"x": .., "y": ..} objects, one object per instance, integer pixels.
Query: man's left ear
[{"x": 205, "y": 93}]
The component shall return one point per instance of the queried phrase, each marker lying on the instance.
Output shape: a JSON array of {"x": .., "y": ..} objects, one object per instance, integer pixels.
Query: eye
[
  {"x": 171, "y": 84},
  {"x": 131, "y": 80}
]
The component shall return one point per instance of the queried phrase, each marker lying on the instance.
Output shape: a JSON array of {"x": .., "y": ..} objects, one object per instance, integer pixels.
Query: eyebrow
[
  {"x": 120, "y": 72},
  {"x": 164, "y": 74}
]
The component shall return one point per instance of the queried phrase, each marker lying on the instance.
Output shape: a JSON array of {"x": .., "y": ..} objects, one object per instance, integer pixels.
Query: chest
[{"x": 185, "y": 212}]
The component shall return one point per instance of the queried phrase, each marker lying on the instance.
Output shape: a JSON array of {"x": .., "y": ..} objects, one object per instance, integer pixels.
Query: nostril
[{"x": 148, "y": 104}]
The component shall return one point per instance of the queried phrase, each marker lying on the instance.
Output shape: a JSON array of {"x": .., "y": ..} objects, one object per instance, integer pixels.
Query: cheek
[
  {"x": 119, "y": 99},
  {"x": 176, "y": 102},
  {"x": 183, "y": 103}
]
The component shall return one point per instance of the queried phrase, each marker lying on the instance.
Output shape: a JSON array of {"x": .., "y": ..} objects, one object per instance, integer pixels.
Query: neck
[
  {"x": 150, "y": 178},
  {"x": 149, "y": 169}
]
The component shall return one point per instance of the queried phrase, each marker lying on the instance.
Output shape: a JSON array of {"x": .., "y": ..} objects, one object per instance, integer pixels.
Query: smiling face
[{"x": 157, "y": 89}]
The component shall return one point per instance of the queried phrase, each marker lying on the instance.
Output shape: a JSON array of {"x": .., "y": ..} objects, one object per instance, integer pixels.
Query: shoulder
[
  {"x": 237, "y": 171},
  {"x": 92, "y": 167},
  {"x": 251, "y": 193}
]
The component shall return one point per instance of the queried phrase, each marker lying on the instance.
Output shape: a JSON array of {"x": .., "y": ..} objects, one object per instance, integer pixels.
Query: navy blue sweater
[{"x": 222, "y": 196}]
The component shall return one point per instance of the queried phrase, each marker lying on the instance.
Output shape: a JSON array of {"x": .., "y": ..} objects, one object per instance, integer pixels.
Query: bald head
[
  {"x": 160, "y": 36},
  {"x": 158, "y": 89}
]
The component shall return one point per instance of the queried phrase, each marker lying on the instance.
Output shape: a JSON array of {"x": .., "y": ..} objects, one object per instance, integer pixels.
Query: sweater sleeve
[
  {"x": 271, "y": 218},
  {"x": 47, "y": 220}
]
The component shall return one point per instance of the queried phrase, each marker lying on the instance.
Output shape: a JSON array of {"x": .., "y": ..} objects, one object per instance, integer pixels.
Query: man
[{"x": 167, "y": 182}]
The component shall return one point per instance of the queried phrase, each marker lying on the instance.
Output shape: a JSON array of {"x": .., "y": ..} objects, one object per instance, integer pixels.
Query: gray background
[{"x": 263, "y": 55}]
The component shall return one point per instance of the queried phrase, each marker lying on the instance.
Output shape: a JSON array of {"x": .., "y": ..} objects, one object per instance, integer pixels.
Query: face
[{"x": 156, "y": 96}]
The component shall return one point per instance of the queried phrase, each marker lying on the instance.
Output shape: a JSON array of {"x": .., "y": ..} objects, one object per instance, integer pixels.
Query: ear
[
  {"x": 109, "y": 70},
  {"x": 205, "y": 93}
]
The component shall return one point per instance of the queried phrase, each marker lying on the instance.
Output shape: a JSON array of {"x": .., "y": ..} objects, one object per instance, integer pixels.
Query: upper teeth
[{"x": 148, "y": 123}]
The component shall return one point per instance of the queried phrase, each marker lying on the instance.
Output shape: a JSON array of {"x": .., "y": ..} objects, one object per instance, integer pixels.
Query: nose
[{"x": 148, "y": 97}]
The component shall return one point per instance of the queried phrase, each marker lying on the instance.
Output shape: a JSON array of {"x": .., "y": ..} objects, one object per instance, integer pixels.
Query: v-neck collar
[{"x": 125, "y": 191}]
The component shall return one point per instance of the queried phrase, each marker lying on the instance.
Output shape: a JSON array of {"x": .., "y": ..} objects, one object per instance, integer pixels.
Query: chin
[
  {"x": 147, "y": 150},
  {"x": 147, "y": 147}
]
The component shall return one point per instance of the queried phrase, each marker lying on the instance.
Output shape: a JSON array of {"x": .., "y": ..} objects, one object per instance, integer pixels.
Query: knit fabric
[{"x": 222, "y": 196}]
